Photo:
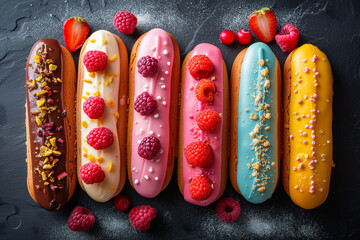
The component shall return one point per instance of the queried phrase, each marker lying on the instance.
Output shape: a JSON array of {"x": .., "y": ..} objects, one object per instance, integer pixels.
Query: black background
[{"x": 331, "y": 25}]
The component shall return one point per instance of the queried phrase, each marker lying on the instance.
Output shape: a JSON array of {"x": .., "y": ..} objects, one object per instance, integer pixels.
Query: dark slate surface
[{"x": 331, "y": 25}]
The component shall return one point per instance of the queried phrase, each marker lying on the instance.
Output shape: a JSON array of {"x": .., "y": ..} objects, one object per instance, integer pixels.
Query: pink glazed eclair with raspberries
[
  {"x": 203, "y": 130},
  {"x": 153, "y": 111}
]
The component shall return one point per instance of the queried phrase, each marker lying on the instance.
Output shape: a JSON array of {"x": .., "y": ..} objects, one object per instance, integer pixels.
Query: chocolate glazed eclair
[{"x": 50, "y": 124}]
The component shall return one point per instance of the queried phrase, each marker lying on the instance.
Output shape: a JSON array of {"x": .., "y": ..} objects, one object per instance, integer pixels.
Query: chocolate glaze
[{"x": 54, "y": 195}]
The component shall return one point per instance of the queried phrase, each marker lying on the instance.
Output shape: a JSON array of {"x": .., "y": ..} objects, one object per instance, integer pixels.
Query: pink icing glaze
[
  {"x": 148, "y": 175},
  {"x": 192, "y": 106}
]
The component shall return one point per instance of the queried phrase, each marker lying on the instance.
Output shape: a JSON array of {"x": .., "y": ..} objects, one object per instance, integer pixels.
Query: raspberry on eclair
[
  {"x": 255, "y": 123},
  {"x": 203, "y": 129},
  {"x": 50, "y": 123},
  {"x": 307, "y": 97},
  {"x": 153, "y": 111},
  {"x": 101, "y": 115}
]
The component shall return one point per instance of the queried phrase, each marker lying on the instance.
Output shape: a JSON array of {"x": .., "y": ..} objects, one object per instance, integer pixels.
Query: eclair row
[{"x": 127, "y": 119}]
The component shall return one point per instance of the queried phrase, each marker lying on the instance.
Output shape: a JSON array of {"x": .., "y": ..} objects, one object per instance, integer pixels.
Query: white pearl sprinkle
[
  {"x": 162, "y": 79},
  {"x": 151, "y": 170},
  {"x": 139, "y": 141},
  {"x": 163, "y": 86},
  {"x": 161, "y": 151},
  {"x": 161, "y": 125},
  {"x": 158, "y": 135},
  {"x": 153, "y": 48},
  {"x": 136, "y": 181},
  {"x": 146, "y": 177},
  {"x": 168, "y": 63},
  {"x": 165, "y": 52},
  {"x": 156, "y": 116},
  {"x": 156, "y": 179},
  {"x": 165, "y": 42},
  {"x": 151, "y": 133},
  {"x": 166, "y": 72},
  {"x": 133, "y": 169},
  {"x": 164, "y": 102},
  {"x": 158, "y": 98}
]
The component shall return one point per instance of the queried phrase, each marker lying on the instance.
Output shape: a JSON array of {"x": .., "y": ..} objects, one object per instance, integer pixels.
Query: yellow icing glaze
[{"x": 316, "y": 81}]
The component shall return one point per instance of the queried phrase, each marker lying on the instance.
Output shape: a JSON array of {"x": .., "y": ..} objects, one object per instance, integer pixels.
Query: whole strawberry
[
  {"x": 81, "y": 219},
  {"x": 75, "y": 31},
  {"x": 125, "y": 22},
  {"x": 263, "y": 24}
]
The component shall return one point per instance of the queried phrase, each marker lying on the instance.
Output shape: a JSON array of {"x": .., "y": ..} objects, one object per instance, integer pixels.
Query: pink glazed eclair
[
  {"x": 203, "y": 130},
  {"x": 153, "y": 111}
]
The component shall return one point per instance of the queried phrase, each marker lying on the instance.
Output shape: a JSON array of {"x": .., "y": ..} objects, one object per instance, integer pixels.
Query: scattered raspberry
[
  {"x": 200, "y": 188},
  {"x": 122, "y": 203},
  {"x": 81, "y": 219},
  {"x": 199, "y": 154},
  {"x": 91, "y": 173},
  {"x": 95, "y": 61},
  {"x": 228, "y": 209},
  {"x": 100, "y": 138},
  {"x": 204, "y": 91},
  {"x": 125, "y": 22},
  {"x": 147, "y": 66},
  {"x": 287, "y": 38},
  {"x": 141, "y": 216},
  {"x": 208, "y": 120},
  {"x": 227, "y": 37},
  {"x": 149, "y": 147},
  {"x": 200, "y": 66},
  {"x": 145, "y": 104},
  {"x": 94, "y": 107}
]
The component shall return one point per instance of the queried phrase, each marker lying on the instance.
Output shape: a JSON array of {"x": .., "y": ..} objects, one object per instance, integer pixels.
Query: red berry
[
  {"x": 227, "y": 37},
  {"x": 125, "y": 22},
  {"x": 94, "y": 107},
  {"x": 121, "y": 203},
  {"x": 75, "y": 31},
  {"x": 199, "y": 154},
  {"x": 263, "y": 23},
  {"x": 287, "y": 38},
  {"x": 147, "y": 66},
  {"x": 95, "y": 61},
  {"x": 200, "y": 188},
  {"x": 149, "y": 147},
  {"x": 204, "y": 90},
  {"x": 100, "y": 138},
  {"x": 80, "y": 219},
  {"x": 208, "y": 120},
  {"x": 141, "y": 216},
  {"x": 145, "y": 104},
  {"x": 200, "y": 66},
  {"x": 91, "y": 173},
  {"x": 228, "y": 209},
  {"x": 243, "y": 36}
]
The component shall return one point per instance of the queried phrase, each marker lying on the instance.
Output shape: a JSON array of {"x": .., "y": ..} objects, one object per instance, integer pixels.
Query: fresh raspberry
[
  {"x": 100, "y": 138},
  {"x": 95, "y": 61},
  {"x": 149, "y": 147},
  {"x": 141, "y": 216},
  {"x": 125, "y": 22},
  {"x": 200, "y": 188},
  {"x": 228, "y": 209},
  {"x": 81, "y": 219},
  {"x": 147, "y": 66},
  {"x": 122, "y": 203},
  {"x": 199, "y": 154},
  {"x": 204, "y": 90},
  {"x": 145, "y": 104},
  {"x": 91, "y": 173},
  {"x": 208, "y": 120},
  {"x": 287, "y": 38},
  {"x": 94, "y": 107},
  {"x": 200, "y": 66},
  {"x": 227, "y": 37}
]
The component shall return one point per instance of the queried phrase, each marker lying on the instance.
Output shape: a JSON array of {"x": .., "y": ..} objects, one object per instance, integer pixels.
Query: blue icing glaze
[{"x": 249, "y": 91}]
